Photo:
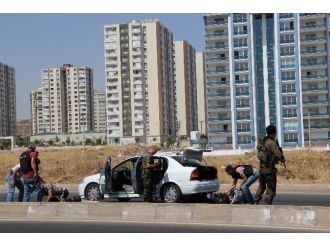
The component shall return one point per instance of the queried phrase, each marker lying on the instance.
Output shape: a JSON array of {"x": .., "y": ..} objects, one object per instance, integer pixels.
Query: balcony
[
  {"x": 243, "y": 118},
  {"x": 240, "y": 33},
  {"x": 219, "y": 131},
  {"x": 284, "y": 54},
  {"x": 309, "y": 77},
  {"x": 313, "y": 51},
  {"x": 216, "y": 59},
  {"x": 240, "y": 57},
  {"x": 243, "y": 130},
  {"x": 313, "y": 89},
  {"x": 322, "y": 126},
  {"x": 286, "y": 41},
  {"x": 242, "y": 93},
  {"x": 286, "y": 16},
  {"x": 282, "y": 29},
  {"x": 308, "y": 102},
  {"x": 242, "y": 82},
  {"x": 290, "y": 128},
  {"x": 316, "y": 114},
  {"x": 289, "y": 115},
  {"x": 218, "y": 119},
  {"x": 216, "y": 47},
  {"x": 213, "y": 23},
  {"x": 237, "y": 69},
  {"x": 306, "y": 15},
  {"x": 288, "y": 79},
  {"x": 217, "y": 95},
  {"x": 315, "y": 26},
  {"x": 312, "y": 39},
  {"x": 215, "y": 71},
  {"x": 312, "y": 64},
  {"x": 243, "y": 106},
  {"x": 240, "y": 20},
  {"x": 289, "y": 103},
  {"x": 218, "y": 83},
  {"x": 288, "y": 66},
  {"x": 240, "y": 45},
  {"x": 288, "y": 90},
  {"x": 216, "y": 35},
  {"x": 218, "y": 107}
]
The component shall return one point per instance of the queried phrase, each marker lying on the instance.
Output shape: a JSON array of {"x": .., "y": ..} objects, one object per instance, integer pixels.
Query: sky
[{"x": 31, "y": 42}]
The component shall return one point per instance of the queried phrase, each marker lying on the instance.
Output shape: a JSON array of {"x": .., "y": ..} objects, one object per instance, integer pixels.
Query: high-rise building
[
  {"x": 140, "y": 88},
  {"x": 267, "y": 69},
  {"x": 36, "y": 111},
  {"x": 24, "y": 127},
  {"x": 186, "y": 90},
  {"x": 7, "y": 101},
  {"x": 100, "y": 118},
  {"x": 67, "y": 101},
  {"x": 201, "y": 96}
]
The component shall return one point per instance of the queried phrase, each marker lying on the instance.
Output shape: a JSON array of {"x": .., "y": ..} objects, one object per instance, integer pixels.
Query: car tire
[
  {"x": 123, "y": 199},
  {"x": 171, "y": 193},
  {"x": 92, "y": 192}
]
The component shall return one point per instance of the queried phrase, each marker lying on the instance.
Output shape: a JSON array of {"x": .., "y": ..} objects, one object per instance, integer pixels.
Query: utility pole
[
  {"x": 309, "y": 130},
  {"x": 201, "y": 123}
]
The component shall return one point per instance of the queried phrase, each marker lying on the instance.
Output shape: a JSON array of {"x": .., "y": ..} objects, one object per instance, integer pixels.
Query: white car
[{"x": 178, "y": 175}]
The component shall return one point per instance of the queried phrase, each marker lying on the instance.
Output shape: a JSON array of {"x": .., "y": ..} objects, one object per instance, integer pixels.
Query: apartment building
[
  {"x": 186, "y": 87},
  {"x": 267, "y": 69},
  {"x": 140, "y": 88},
  {"x": 100, "y": 123},
  {"x": 67, "y": 101},
  {"x": 7, "y": 101},
  {"x": 36, "y": 111},
  {"x": 201, "y": 96}
]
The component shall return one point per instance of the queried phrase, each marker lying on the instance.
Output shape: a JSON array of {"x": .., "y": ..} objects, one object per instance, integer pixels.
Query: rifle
[{"x": 281, "y": 150}]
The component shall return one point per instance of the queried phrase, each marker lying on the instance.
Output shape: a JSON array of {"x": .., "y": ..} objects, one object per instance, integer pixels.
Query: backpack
[
  {"x": 25, "y": 161},
  {"x": 248, "y": 170},
  {"x": 262, "y": 153}
]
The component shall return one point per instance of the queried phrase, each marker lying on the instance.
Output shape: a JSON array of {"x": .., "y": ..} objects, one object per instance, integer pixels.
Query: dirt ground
[{"x": 69, "y": 166}]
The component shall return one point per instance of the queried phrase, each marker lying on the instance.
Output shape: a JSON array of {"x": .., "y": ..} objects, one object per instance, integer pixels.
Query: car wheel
[
  {"x": 171, "y": 193},
  {"x": 92, "y": 192},
  {"x": 124, "y": 199}
]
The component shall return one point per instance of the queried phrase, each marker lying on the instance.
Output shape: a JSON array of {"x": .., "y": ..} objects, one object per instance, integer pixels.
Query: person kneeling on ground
[
  {"x": 248, "y": 176},
  {"x": 54, "y": 192}
]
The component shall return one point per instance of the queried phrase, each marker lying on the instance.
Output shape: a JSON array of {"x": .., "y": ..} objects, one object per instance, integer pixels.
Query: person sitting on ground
[
  {"x": 55, "y": 193},
  {"x": 248, "y": 175}
]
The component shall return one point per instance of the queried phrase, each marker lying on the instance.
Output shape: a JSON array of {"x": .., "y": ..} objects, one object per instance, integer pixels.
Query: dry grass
[
  {"x": 302, "y": 166},
  {"x": 70, "y": 166}
]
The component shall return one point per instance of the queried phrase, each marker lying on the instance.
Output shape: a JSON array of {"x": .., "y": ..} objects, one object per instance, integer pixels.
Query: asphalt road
[
  {"x": 49, "y": 226},
  {"x": 295, "y": 199}
]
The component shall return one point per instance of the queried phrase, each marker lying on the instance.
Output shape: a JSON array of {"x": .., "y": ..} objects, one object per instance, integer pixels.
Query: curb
[{"x": 257, "y": 215}]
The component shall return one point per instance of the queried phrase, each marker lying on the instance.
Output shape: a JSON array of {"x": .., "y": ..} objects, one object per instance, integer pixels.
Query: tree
[
  {"x": 98, "y": 141},
  {"x": 36, "y": 141},
  {"x": 68, "y": 141},
  {"x": 50, "y": 142},
  {"x": 137, "y": 139},
  {"x": 72, "y": 142},
  {"x": 154, "y": 139},
  {"x": 116, "y": 140},
  {"x": 169, "y": 141},
  {"x": 88, "y": 141},
  {"x": 57, "y": 139},
  {"x": 203, "y": 140}
]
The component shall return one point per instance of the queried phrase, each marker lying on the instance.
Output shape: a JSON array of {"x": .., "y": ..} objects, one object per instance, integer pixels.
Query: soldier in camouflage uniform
[
  {"x": 148, "y": 173},
  {"x": 268, "y": 171}
]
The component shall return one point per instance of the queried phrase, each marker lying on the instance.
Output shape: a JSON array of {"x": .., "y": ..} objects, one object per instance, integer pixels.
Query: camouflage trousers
[
  {"x": 147, "y": 185},
  {"x": 266, "y": 182}
]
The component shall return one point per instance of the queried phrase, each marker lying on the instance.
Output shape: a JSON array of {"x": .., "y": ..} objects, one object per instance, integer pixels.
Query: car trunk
[
  {"x": 204, "y": 172},
  {"x": 207, "y": 173}
]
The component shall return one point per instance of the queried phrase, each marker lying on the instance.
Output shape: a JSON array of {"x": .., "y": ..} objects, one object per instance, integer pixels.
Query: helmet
[{"x": 271, "y": 129}]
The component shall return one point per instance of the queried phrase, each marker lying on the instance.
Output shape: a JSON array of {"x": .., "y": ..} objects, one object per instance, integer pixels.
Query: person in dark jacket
[{"x": 247, "y": 176}]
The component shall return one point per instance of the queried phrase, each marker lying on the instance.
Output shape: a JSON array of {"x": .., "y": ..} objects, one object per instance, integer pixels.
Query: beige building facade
[
  {"x": 140, "y": 88},
  {"x": 67, "y": 101},
  {"x": 100, "y": 123},
  {"x": 186, "y": 88},
  {"x": 201, "y": 94}
]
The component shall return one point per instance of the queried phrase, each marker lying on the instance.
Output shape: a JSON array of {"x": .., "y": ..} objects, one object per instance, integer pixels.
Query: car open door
[
  {"x": 136, "y": 176},
  {"x": 105, "y": 177}
]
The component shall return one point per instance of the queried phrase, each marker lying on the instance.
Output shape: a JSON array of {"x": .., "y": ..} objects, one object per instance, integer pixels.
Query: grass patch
[{"x": 71, "y": 165}]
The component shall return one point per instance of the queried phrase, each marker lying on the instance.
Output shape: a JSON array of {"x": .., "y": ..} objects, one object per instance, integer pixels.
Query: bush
[{"x": 98, "y": 141}]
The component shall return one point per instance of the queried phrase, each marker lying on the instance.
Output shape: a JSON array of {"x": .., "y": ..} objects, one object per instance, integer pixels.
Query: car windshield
[{"x": 186, "y": 162}]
